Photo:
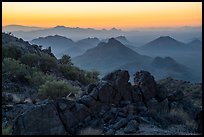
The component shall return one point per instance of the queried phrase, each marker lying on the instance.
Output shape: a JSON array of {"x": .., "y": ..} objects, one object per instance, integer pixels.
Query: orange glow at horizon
[{"x": 123, "y": 15}]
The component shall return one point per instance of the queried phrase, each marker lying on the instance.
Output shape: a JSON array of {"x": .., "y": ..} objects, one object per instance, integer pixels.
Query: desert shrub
[
  {"x": 38, "y": 78},
  {"x": 70, "y": 72},
  {"x": 11, "y": 51},
  {"x": 30, "y": 59},
  {"x": 66, "y": 59},
  {"x": 14, "y": 70},
  {"x": 74, "y": 73},
  {"x": 47, "y": 63},
  {"x": 92, "y": 77},
  {"x": 55, "y": 89}
]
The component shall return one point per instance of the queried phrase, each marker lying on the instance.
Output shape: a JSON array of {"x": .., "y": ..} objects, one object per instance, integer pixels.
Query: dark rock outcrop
[
  {"x": 39, "y": 120},
  {"x": 146, "y": 83},
  {"x": 113, "y": 105}
]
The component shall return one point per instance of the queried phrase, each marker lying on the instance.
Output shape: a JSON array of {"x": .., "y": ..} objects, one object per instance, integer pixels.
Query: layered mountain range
[{"x": 115, "y": 53}]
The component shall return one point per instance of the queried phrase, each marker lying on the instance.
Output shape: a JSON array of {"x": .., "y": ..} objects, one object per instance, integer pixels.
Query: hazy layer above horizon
[
  {"x": 122, "y": 15},
  {"x": 137, "y": 36}
]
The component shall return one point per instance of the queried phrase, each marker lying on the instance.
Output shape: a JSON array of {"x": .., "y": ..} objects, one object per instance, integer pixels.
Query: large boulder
[
  {"x": 120, "y": 75},
  {"x": 39, "y": 120},
  {"x": 107, "y": 94},
  {"x": 87, "y": 100},
  {"x": 145, "y": 81},
  {"x": 71, "y": 113},
  {"x": 119, "y": 80}
]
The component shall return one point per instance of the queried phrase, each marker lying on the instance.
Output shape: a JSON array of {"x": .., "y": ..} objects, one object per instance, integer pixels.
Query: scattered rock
[
  {"x": 113, "y": 105},
  {"x": 132, "y": 127},
  {"x": 120, "y": 123},
  {"x": 110, "y": 132}
]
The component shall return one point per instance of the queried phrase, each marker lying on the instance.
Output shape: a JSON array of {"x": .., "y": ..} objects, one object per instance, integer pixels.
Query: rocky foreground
[{"x": 113, "y": 107}]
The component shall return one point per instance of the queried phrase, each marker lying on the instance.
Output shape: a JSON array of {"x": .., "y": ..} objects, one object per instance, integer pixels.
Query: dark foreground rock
[
  {"x": 113, "y": 106},
  {"x": 39, "y": 120}
]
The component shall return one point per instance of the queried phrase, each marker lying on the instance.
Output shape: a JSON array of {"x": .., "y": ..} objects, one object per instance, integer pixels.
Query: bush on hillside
[
  {"x": 66, "y": 59},
  {"x": 14, "y": 70},
  {"x": 56, "y": 89},
  {"x": 47, "y": 63},
  {"x": 39, "y": 78},
  {"x": 92, "y": 77},
  {"x": 32, "y": 60},
  {"x": 11, "y": 51},
  {"x": 74, "y": 73}
]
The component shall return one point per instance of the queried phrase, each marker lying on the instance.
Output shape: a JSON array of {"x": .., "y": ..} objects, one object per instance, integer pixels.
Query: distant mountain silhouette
[
  {"x": 56, "y": 40},
  {"x": 108, "y": 56},
  {"x": 164, "y": 43},
  {"x": 13, "y": 28},
  {"x": 88, "y": 43},
  {"x": 60, "y": 45},
  {"x": 195, "y": 44},
  {"x": 73, "y": 33},
  {"x": 162, "y": 67},
  {"x": 168, "y": 64},
  {"x": 122, "y": 39}
]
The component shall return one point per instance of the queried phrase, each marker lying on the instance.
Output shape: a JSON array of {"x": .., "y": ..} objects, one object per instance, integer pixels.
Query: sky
[{"x": 122, "y": 15}]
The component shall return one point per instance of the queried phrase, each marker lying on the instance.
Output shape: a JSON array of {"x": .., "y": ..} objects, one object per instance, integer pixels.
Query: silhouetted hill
[
  {"x": 195, "y": 44},
  {"x": 54, "y": 41},
  {"x": 168, "y": 64},
  {"x": 108, "y": 56},
  {"x": 88, "y": 43},
  {"x": 122, "y": 39},
  {"x": 163, "y": 67},
  {"x": 164, "y": 43},
  {"x": 60, "y": 45}
]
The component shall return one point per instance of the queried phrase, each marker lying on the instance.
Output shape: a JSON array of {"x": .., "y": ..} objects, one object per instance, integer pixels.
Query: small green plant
[
  {"x": 7, "y": 130},
  {"x": 55, "y": 89}
]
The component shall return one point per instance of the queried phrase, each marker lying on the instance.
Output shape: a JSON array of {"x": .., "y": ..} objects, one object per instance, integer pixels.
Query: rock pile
[{"x": 113, "y": 105}]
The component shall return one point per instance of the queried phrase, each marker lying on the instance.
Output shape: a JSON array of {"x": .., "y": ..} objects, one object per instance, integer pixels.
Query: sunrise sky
[{"x": 123, "y": 15}]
